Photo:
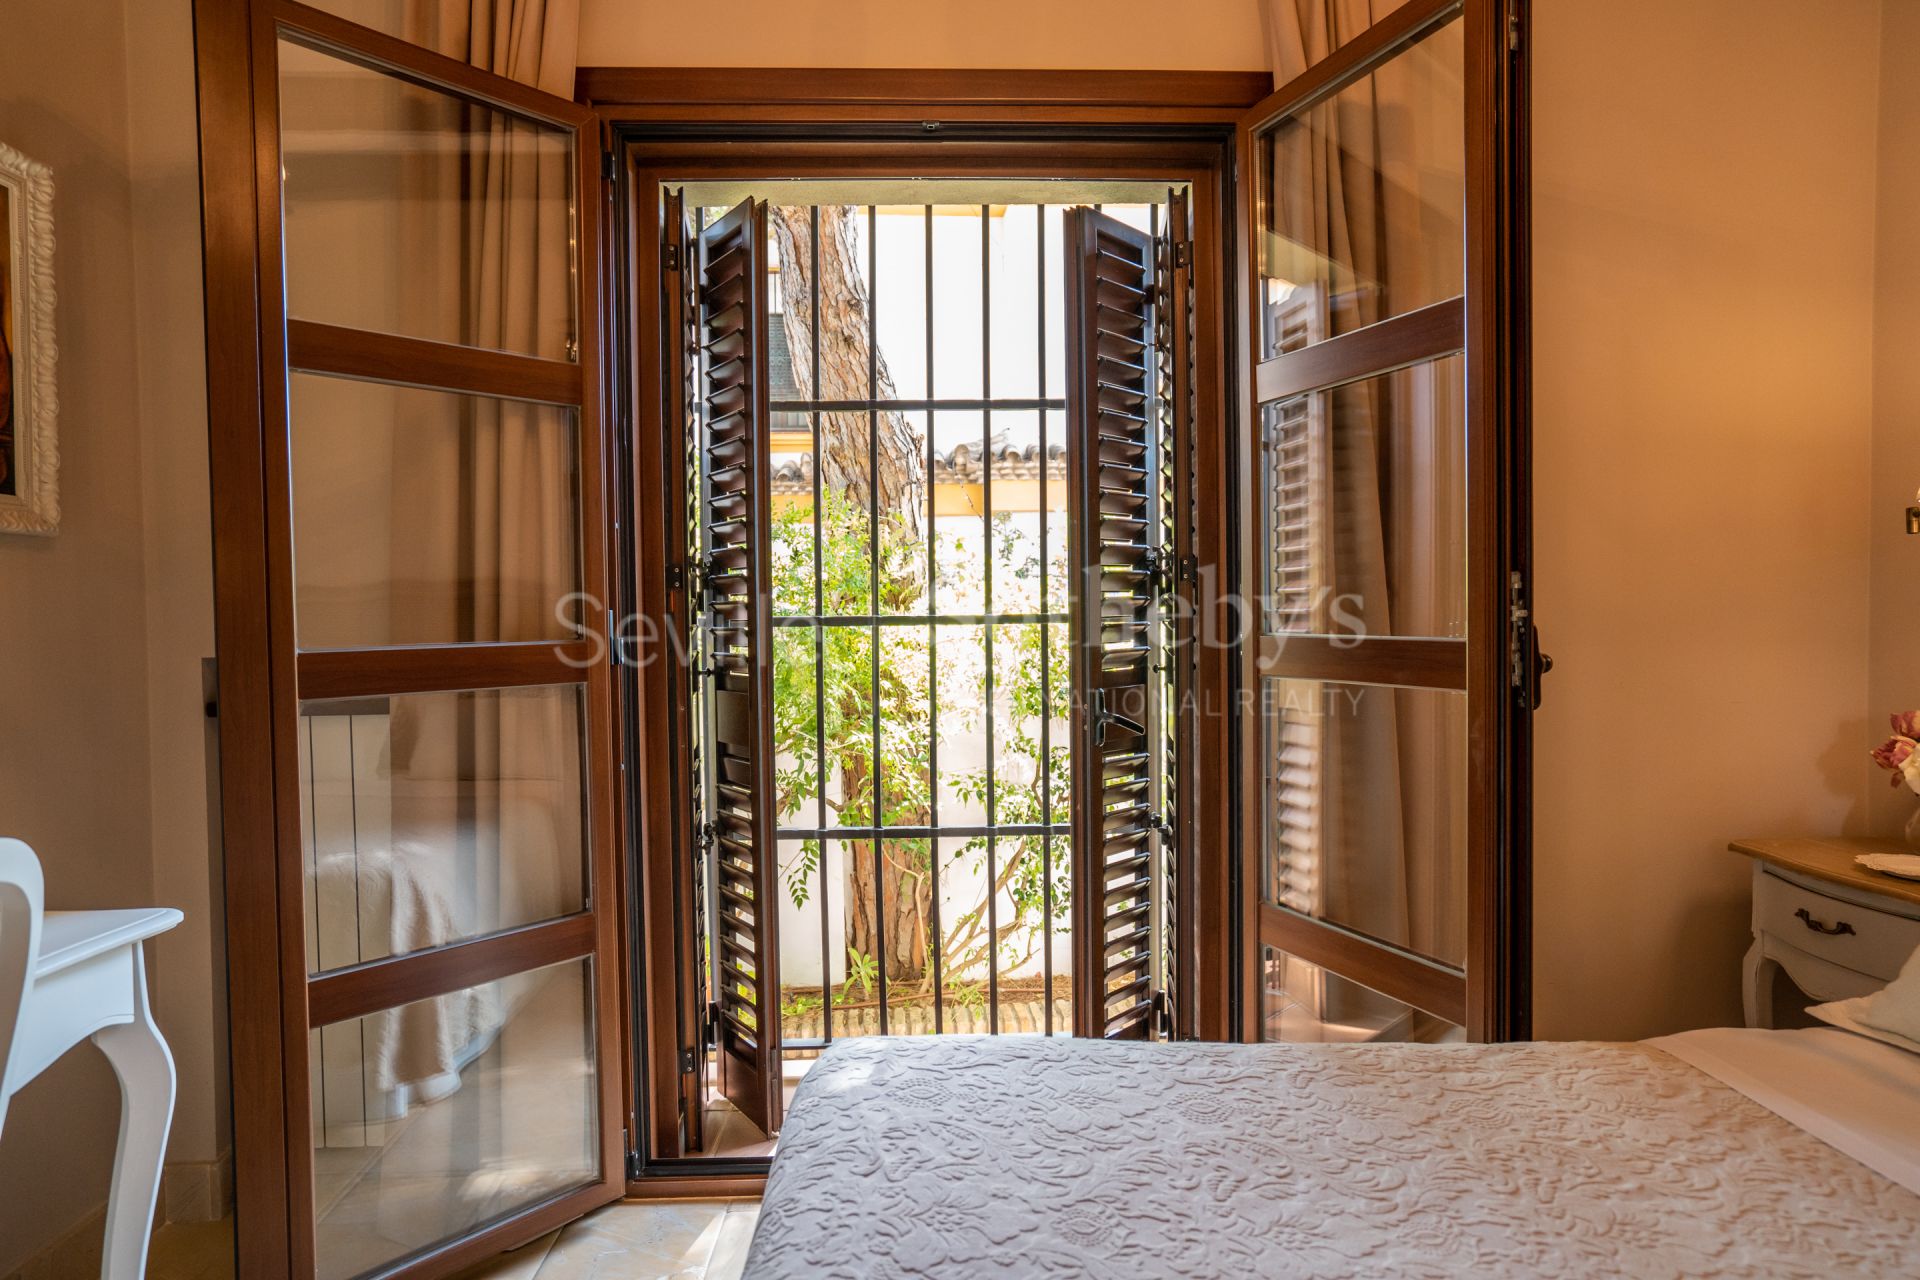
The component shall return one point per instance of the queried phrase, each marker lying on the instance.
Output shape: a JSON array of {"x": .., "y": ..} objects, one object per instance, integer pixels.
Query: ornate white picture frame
[{"x": 29, "y": 402}]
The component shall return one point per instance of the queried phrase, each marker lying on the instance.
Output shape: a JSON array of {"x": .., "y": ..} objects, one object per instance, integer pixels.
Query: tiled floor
[
  {"x": 630, "y": 1240},
  {"x": 652, "y": 1240}
]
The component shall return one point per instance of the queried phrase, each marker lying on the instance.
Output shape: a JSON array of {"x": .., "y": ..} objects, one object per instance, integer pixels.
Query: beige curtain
[
  {"x": 1388, "y": 813},
  {"x": 487, "y": 789}
]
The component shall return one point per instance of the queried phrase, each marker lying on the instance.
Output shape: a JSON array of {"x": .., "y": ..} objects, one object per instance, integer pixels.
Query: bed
[{"x": 1723, "y": 1152}]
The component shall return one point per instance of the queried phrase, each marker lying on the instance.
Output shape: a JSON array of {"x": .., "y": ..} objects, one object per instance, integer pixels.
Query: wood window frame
[
  {"x": 1490, "y": 324},
  {"x": 987, "y": 135}
]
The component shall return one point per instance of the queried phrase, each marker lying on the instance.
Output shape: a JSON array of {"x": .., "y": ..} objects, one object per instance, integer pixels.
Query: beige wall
[
  {"x": 101, "y": 762},
  {"x": 1895, "y": 673},
  {"x": 1194, "y": 35},
  {"x": 1703, "y": 222}
]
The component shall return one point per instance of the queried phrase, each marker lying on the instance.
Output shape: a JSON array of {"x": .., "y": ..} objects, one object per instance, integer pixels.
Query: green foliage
[
  {"x": 863, "y": 971},
  {"x": 826, "y": 706}
]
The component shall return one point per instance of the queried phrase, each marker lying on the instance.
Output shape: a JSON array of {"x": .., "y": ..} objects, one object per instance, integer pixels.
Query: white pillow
[
  {"x": 1845, "y": 1014},
  {"x": 1890, "y": 1015}
]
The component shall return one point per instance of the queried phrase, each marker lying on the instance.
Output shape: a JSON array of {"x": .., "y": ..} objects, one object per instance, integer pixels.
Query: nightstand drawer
[{"x": 1843, "y": 933}]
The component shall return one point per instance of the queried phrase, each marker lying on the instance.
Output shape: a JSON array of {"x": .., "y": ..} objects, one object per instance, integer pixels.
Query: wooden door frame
[
  {"x": 1494, "y": 328},
  {"x": 785, "y": 140}
]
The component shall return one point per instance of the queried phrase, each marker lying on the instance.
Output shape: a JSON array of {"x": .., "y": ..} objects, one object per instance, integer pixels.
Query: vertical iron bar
[
  {"x": 819, "y": 641},
  {"x": 933, "y": 643},
  {"x": 873, "y": 631},
  {"x": 1046, "y": 643},
  {"x": 986, "y": 521}
]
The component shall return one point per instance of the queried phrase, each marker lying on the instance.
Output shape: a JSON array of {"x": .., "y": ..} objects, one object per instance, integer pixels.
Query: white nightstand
[{"x": 1838, "y": 930}]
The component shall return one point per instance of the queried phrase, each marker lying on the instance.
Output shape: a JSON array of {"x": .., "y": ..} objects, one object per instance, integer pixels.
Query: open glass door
[
  {"x": 415, "y": 694},
  {"x": 1386, "y": 552}
]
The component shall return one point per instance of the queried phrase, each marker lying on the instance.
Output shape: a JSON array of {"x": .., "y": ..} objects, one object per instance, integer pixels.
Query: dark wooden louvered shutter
[
  {"x": 1173, "y": 635},
  {"x": 1111, "y": 539},
  {"x": 733, "y": 359}
]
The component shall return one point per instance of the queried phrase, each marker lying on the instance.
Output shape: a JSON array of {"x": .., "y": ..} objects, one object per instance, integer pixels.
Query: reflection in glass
[
  {"x": 430, "y": 818},
  {"x": 429, "y": 517},
  {"x": 1362, "y": 198},
  {"x": 1301, "y": 1003},
  {"x": 1364, "y": 506},
  {"x": 390, "y": 17},
  {"x": 442, "y": 1116},
  {"x": 410, "y": 211},
  {"x": 1366, "y": 810}
]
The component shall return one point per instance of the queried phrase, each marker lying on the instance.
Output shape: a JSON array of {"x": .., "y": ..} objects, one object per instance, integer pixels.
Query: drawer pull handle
[{"x": 1832, "y": 930}]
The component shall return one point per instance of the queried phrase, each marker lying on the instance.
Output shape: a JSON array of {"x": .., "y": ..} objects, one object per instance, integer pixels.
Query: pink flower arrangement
[{"x": 1900, "y": 754}]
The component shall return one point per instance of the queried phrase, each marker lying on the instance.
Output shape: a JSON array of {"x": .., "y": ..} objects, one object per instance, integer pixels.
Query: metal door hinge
[
  {"x": 606, "y": 165},
  {"x": 689, "y": 1062},
  {"x": 633, "y": 1157},
  {"x": 1513, "y": 25},
  {"x": 713, "y": 1026},
  {"x": 670, "y": 259},
  {"x": 1182, "y": 254}
]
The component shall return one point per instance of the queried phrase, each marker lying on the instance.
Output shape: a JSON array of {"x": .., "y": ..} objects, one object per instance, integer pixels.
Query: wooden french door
[
  {"x": 415, "y": 696},
  {"x": 1390, "y": 663}
]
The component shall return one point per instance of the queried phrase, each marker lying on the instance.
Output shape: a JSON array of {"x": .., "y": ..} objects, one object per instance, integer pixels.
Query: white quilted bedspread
[{"x": 969, "y": 1157}]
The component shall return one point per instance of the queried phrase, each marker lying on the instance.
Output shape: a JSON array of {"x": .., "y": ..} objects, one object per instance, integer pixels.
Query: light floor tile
[
  {"x": 641, "y": 1240},
  {"x": 517, "y": 1264},
  {"x": 730, "y": 1250}
]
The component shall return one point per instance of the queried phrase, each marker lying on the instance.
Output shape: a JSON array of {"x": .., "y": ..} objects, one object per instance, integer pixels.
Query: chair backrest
[{"x": 22, "y": 903}]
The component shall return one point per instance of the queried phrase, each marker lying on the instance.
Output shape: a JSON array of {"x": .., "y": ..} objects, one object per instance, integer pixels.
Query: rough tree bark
[
  {"x": 851, "y": 442},
  {"x": 845, "y": 442}
]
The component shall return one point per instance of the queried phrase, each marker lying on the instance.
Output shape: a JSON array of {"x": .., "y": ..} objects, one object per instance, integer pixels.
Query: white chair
[{"x": 69, "y": 975}]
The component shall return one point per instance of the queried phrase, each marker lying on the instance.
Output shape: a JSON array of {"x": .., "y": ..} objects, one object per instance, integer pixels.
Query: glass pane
[
  {"x": 410, "y": 211},
  {"x": 1301, "y": 1003},
  {"x": 436, "y": 817},
  {"x": 900, "y": 311},
  {"x": 391, "y": 18},
  {"x": 1366, "y": 810},
  {"x": 903, "y": 523},
  {"x": 403, "y": 501},
  {"x": 1362, "y": 198},
  {"x": 442, "y": 1116},
  {"x": 1014, "y": 301},
  {"x": 959, "y": 252},
  {"x": 1364, "y": 506},
  {"x": 959, "y": 503}
]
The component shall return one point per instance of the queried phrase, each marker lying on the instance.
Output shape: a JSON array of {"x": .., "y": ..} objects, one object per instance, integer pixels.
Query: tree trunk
[
  {"x": 847, "y": 441},
  {"x": 879, "y": 462}
]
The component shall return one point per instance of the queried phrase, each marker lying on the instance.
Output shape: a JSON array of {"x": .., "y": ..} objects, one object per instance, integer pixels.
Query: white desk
[{"x": 85, "y": 977}]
